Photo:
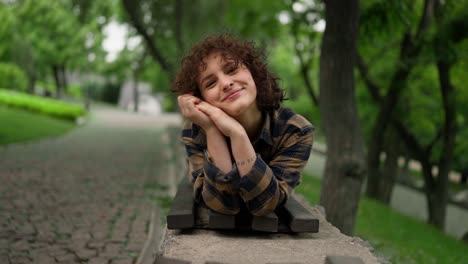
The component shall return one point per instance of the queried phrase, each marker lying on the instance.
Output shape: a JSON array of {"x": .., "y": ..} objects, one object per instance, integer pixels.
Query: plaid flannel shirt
[{"x": 283, "y": 148}]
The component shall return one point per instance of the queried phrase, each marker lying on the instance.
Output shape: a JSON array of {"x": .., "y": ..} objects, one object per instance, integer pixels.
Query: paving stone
[
  {"x": 95, "y": 244},
  {"x": 98, "y": 260},
  {"x": 44, "y": 259},
  {"x": 99, "y": 235},
  {"x": 122, "y": 261},
  {"x": 85, "y": 254},
  {"x": 4, "y": 258},
  {"x": 57, "y": 252},
  {"x": 66, "y": 257},
  {"x": 20, "y": 260},
  {"x": 89, "y": 195},
  {"x": 20, "y": 245}
]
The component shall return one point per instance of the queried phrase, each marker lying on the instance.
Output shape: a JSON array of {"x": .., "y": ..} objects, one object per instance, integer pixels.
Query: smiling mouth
[{"x": 232, "y": 95}]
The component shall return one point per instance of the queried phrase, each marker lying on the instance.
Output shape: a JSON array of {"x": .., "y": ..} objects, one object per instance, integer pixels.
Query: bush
[
  {"x": 305, "y": 107},
  {"x": 105, "y": 91},
  {"x": 110, "y": 92},
  {"x": 12, "y": 77},
  {"x": 41, "y": 105},
  {"x": 168, "y": 104},
  {"x": 75, "y": 91}
]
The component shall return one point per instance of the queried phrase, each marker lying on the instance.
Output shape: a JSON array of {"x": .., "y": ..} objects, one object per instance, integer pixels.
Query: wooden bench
[{"x": 290, "y": 218}]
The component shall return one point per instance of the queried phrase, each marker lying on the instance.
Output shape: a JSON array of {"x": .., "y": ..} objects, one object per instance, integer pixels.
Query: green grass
[
  {"x": 46, "y": 106},
  {"x": 20, "y": 125},
  {"x": 399, "y": 238}
]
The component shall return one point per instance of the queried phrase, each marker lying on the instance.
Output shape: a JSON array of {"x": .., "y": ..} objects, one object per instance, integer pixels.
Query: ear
[{"x": 198, "y": 94}]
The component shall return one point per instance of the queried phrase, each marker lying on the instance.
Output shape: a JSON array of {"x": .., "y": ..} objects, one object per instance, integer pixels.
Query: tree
[
  {"x": 410, "y": 48},
  {"x": 345, "y": 165},
  {"x": 436, "y": 147},
  {"x": 305, "y": 38}
]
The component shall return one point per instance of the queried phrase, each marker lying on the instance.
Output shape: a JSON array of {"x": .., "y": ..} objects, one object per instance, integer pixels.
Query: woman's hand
[
  {"x": 224, "y": 122},
  {"x": 187, "y": 105}
]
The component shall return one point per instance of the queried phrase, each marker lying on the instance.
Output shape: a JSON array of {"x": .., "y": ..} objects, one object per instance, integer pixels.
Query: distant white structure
[{"x": 147, "y": 103}]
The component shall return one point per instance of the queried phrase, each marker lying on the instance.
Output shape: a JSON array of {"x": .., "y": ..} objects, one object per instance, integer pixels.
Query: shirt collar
[{"x": 265, "y": 133}]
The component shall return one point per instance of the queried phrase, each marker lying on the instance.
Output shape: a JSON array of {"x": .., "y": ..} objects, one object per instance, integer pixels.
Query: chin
[{"x": 237, "y": 110}]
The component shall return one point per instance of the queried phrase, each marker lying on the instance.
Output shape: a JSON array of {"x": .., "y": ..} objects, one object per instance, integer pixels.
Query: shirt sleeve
[
  {"x": 218, "y": 190},
  {"x": 267, "y": 186}
]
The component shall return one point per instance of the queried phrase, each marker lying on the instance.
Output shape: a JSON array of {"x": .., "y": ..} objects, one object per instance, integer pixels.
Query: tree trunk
[
  {"x": 433, "y": 205},
  {"x": 448, "y": 142},
  {"x": 179, "y": 14},
  {"x": 409, "y": 50},
  {"x": 136, "y": 94},
  {"x": 345, "y": 165},
  {"x": 386, "y": 111},
  {"x": 31, "y": 84},
  {"x": 133, "y": 13},
  {"x": 464, "y": 177},
  {"x": 390, "y": 169},
  {"x": 63, "y": 77},
  {"x": 58, "y": 83}
]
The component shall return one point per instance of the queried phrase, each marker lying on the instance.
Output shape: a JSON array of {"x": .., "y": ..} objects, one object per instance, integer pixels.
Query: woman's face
[{"x": 228, "y": 86}]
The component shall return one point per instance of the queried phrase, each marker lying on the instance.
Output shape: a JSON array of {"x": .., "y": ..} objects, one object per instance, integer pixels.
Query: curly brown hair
[{"x": 269, "y": 94}]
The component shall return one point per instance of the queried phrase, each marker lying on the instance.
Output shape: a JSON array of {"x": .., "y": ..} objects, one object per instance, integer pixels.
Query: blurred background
[{"x": 59, "y": 57}]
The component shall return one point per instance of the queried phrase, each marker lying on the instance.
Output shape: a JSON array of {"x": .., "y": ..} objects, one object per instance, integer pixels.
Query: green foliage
[
  {"x": 400, "y": 239},
  {"x": 305, "y": 107},
  {"x": 283, "y": 63},
  {"x": 12, "y": 77},
  {"x": 75, "y": 90},
  {"x": 403, "y": 239},
  {"x": 103, "y": 90},
  {"x": 41, "y": 105},
  {"x": 254, "y": 19},
  {"x": 110, "y": 92},
  {"x": 20, "y": 125},
  {"x": 6, "y": 29},
  {"x": 423, "y": 97},
  {"x": 168, "y": 104},
  {"x": 460, "y": 162}
]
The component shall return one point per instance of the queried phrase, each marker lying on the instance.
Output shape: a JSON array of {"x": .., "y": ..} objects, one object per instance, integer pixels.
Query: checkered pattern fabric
[{"x": 283, "y": 148}]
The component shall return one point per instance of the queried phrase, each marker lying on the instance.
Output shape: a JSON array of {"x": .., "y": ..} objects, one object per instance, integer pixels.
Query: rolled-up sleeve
[
  {"x": 218, "y": 190},
  {"x": 267, "y": 186}
]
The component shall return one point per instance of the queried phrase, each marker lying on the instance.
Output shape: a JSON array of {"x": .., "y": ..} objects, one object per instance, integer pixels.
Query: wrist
[
  {"x": 240, "y": 134},
  {"x": 210, "y": 130}
]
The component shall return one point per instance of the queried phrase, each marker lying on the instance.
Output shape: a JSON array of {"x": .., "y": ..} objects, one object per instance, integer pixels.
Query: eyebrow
[{"x": 226, "y": 64}]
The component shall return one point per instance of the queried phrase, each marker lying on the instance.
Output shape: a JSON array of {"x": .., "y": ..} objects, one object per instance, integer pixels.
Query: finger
[{"x": 186, "y": 105}]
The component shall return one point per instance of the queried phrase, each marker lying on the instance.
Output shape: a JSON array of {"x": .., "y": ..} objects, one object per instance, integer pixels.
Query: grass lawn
[
  {"x": 399, "y": 238},
  {"x": 20, "y": 125}
]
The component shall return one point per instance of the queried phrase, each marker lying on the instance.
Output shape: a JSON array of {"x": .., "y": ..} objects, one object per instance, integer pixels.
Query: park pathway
[{"x": 88, "y": 196}]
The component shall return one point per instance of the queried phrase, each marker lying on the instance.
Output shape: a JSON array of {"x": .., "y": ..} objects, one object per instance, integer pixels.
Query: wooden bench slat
[
  {"x": 298, "y": 218},
  {"x": 267, "y": 223},
  {"x": 343, "y": 260},
  {"x": 181, "y": 214},
  {"x": 221, "y": 221},
  {"x": 292, "y": 217}
]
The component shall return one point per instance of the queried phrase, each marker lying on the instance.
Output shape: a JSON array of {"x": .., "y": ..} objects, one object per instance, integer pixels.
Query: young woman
[{"x": 245, "y": 152}]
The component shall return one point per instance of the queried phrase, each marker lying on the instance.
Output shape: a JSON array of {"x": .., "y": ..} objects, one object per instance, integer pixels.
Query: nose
[{"x": 226, "y": 83}]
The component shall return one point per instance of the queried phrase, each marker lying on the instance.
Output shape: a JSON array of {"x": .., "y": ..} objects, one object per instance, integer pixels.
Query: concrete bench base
[{"x": 232, "y": 246}]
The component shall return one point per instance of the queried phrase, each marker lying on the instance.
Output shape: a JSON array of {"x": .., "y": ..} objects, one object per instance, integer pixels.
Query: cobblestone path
[{"x": 83, "y": 197}]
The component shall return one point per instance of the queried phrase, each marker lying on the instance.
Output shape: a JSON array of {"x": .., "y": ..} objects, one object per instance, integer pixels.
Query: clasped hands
[{"x": 207, "y": 116}]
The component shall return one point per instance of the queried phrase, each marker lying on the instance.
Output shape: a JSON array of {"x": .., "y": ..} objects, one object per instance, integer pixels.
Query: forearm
[
  {"x": 218, "y": 149},
  {"x": 243, "y": 152}
]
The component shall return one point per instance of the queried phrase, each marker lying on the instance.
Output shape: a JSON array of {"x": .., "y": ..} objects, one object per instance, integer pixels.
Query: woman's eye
[
  {"x": 209, "y": 84},
  {"x": 231, "y": 69}
]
